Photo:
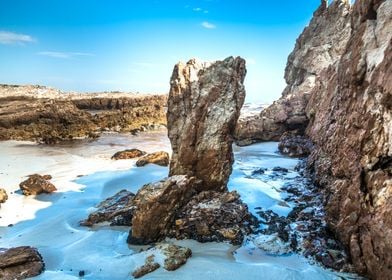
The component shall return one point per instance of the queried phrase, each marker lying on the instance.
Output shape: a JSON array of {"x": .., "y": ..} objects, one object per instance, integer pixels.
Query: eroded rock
[
  {"x": 128, "y": 154},
  {"x": 203, "y": 107},
  {"x": 117, "y": 210},
  {"x": 37, "y": 184},
  {"x": 295, "y": 146},
  {"x": 159, "y": 158},
  {"x": 214, "y": 216},
  {"x": 20, "y": 263},
  {"x": 149, "y": 266},
  {"x": 3, "y": 195},
  {"x": 156, "y": 206}
]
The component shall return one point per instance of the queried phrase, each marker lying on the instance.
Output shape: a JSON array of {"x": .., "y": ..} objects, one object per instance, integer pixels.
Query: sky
[{"x": 128, "y": 45}]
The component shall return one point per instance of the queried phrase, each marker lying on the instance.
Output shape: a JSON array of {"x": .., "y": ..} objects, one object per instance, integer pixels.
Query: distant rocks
[
  {"x": 156, "y": 206},
  {"x": 37, "y": 184},
  {"x": 204, "y": 104},
  {"x": 116, "y": 210},
  {"x": 3, "y": 195},
  {"x": 128, "y": 154},
  {"x": 20, "y": 263},
  {"x": 214, "y": 216},
  {"x": 160, "y": 158}
]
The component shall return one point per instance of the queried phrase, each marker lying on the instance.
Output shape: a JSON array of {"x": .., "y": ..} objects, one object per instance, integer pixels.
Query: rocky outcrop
[
  {"x": 350, "y": 111},
  {"x": 37, "y": 184},
  {"x": 203, "y": 107},
  {"x": 3, "y": 195},
  {"x": 116, "y": 210},
  {"x": 156, "y": 207},
  {"x": 214, "y": 216},
  {"x": 159, "y": 158},
  {"x": 128, "y": 154},
  {"x": 47, "y": 115},
  {"x": 295, "y": 146},
  {"x": 20, "y": 263},
  {"x": 320, "y": 45}
]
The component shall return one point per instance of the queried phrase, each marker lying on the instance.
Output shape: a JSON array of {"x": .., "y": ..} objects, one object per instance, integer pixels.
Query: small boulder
[
  {"x": 159, "y": 158},
  {"x": 117, "y": 210},
  {"x": 37, "y": 184},
  {"x": 20, "y": 263},
  {"x": 3, "y": 195},
  {"x": 156, "y": 206},
  {"x": 149, "y": 266},
  {"x": 128, "y": 154},
  {"x": 272, "y": 244},
  {"x": 295, "y": 146}
]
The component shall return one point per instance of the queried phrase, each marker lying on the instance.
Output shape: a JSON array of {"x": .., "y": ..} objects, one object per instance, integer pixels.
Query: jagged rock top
[{"x": 204, "y": 104}]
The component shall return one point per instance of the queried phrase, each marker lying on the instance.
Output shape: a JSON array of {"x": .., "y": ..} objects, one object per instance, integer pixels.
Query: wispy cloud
[
  {"x": 208, "y": 25},
  {"x": 200, "y": 10},
  {"x": 8, "y": 38},
  {"x": 64, "y": 55}
]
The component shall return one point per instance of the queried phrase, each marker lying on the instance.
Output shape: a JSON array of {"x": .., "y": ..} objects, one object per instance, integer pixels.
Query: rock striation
[
  {"x": 48, "y": 115},
  {"x": 20, "y": 263},
  {"x": 203, "y": 107},
  {"x": 320, "y": 45}
]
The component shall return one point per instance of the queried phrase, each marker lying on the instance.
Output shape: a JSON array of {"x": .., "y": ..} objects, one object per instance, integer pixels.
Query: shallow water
[{"x": 50, "y": 222}]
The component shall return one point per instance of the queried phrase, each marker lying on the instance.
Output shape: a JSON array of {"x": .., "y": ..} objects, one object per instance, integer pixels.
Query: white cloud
[
  {"x": 64, "y": 55},
  {"x": 208, "y": 25},
  {"x": 197, "y": 9},
  {"x": 7, "y": 38}
]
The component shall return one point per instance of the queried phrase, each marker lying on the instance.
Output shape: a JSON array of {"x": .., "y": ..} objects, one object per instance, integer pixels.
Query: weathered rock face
[
  {"x": 351, "y": 126},
  {"x": 47, "y": 115},
  {"x": 203, "y": 107},
  {"x": 37, "y": 184},
  {"x": 116, "y": 210},
  {"x": 295, "y": 146},
  {"x": 320, "y": 45},
  {"x": 214, "y": 216},
  {"x": 159, "y": 158},
  {"x": 20, "y": 263},
  {"x": 128, "y": 154},
  {"x": 156, "y": 207}
]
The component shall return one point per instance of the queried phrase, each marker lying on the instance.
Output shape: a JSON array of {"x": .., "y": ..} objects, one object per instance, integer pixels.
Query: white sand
[{"x": 50, "y": 222}]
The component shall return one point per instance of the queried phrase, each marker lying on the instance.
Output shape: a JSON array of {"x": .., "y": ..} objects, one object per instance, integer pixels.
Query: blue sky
[{"x": 96, "y": 45}]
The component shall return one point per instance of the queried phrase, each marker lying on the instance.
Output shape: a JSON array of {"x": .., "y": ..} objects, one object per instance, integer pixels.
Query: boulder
[
  {"x": 295, "y": 146},
  {"x": 204, "y": 104},
  {"x": 37, "y": 184},
  {"x": 159, "y": 158},
  {"x": 149, "y": 266},
  {"x": 20, "y": 263},
  {"x": 214, "y": 216},
  {"x": 156, "y": 207},
  {"x": 128, "y": 154},
  {"x": 116, "y": 210},
  {"x": 3, "y": 195}
]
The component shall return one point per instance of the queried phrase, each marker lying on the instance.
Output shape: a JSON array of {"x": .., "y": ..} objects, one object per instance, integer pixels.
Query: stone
[
  {"x": 159, "y": 158},
  {"x": 214, "y": 216},
  {"x": 149, "y": 266},
  {"x": 116, "y": 210},
  {"x": 319, "y": 46},
  {"x": 204, "y": 104},
  {"x": 176, "y": 256},
  {"x": 20, "y": 263},
  {"x": 128, "y": 154},
  {"x": 37, "y": 184},
  {"x": 156, "y": 206},
  {"x": 3, "y": 195},
  {"x": 272, "y": 244},
  {"x": 295, "y": 146}
]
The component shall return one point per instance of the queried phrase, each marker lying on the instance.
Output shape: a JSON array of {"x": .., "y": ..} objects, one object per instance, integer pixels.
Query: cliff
[{"x": 48, "y": 115}]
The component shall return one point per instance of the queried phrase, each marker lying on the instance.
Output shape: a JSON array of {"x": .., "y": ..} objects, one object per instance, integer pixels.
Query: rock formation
[
  {"x": 320, "y": 45},
  {"x": 128, "y": 154},
  {"x": 159, "y": 158},
  {"x": 37, "y": 184},
  {"x": 156, "y": 206},
  {"x": 20, "y": 263},
  {"x": 3, "y": 195},
  {"x": 203, "y": 107},
  {"x": 47, "y": 115},
  {"x": 350, "y": 111}
]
